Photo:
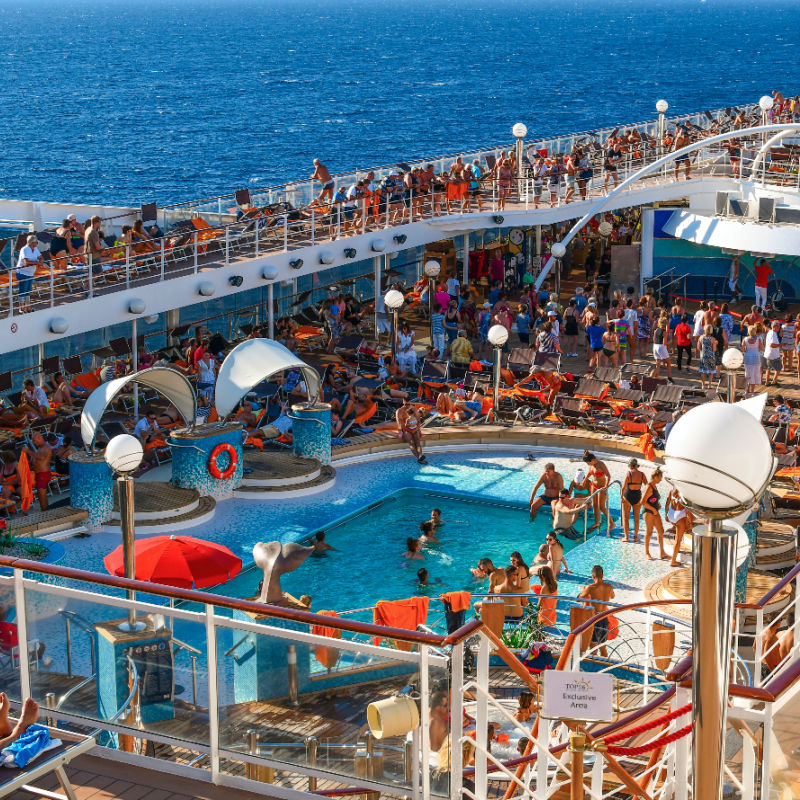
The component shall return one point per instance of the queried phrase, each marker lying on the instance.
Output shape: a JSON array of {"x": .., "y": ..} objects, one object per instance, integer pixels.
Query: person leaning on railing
[{"x": 93, "y": 246}]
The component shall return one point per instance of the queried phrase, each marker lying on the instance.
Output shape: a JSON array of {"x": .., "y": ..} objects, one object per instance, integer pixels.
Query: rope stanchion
[
  {"x": 655, "y": 744},
  {"x": 647, "y": 726}
]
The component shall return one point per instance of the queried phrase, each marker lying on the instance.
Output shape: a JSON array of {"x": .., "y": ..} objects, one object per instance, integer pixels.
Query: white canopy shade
[
  {"x": 251, "y": 362},
  {"x": 168, "y": 382}
]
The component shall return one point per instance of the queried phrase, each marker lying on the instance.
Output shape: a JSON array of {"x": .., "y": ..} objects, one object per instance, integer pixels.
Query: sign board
[{"x": 581, "y": 696}]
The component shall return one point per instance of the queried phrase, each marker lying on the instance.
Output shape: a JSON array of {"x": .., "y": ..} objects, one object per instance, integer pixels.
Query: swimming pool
[{"x": 368, "y": 564}]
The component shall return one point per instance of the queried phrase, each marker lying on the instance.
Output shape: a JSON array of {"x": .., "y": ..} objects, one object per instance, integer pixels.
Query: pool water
[{"x": 368, "y": 563}]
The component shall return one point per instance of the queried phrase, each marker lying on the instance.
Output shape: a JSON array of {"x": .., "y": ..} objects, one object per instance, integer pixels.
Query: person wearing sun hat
[{"x": 28, "y": 260}]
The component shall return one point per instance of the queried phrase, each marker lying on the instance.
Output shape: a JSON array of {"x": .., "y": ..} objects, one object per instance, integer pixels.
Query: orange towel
[
  {"x": 547, "y": 610},
  {"x": 25, "y": 481},
  {"x": 154, "y": 444},
  {"x": 459, "y": 601},
  {"x": 252, "y": 440},
  {"x": 327, "y": 656},
  {"x": 405, "y": 614},
  {"x": 645, "y": 441}
]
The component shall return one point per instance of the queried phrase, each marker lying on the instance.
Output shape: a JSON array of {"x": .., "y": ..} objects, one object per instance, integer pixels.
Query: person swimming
[
  {"x": 428, "y": 533},
  {"x": 319, "y": 544},
  {"x": 436, "y": 517},
  {"x": 412, "y": 549}
]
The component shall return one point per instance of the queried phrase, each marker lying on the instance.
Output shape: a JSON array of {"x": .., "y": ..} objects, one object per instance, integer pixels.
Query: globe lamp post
[
  {"x": 698, "y": 455},
  {"x": 520, "y": 131},
  {"x": 558, "y": 251},
  {"x": 393, "y": 300},
  {"x": 661, "y": 106},
  {"x": 765, "y": 104},
  {"x": 124, "y": 455},
  {"x": 432, "y": 270},
  {"x": 732, "y": 360},
  {"x": 497, "y": 336}
]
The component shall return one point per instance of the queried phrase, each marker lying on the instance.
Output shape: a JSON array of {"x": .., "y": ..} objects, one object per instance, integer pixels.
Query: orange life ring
[{"x": 213, "y": 466}]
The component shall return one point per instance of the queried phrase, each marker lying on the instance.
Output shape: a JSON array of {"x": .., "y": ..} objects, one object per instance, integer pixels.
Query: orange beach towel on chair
[
  {"x": 327, "y": 656},
  {"x": 405, "y": 614},
  {"x": 25, "y": 481},
  {"x": 459, "y": 601}
]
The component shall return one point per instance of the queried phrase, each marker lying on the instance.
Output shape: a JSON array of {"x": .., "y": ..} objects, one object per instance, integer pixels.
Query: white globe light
[
  {"x": 393, "y": 299},
  {"x": 205, "y": 288},
  {"x": 766, "y": 103},
  {"x": 498, "y": 335},
  {"x": 136, "y": 305},
  {"x": 558, "y": 250},
  {"x": 432, "y": 268},
  {"x": 520, "y": 130},
  {"x": 605, "y": 228},
  {"x": 58, "y": 325},
  {"x": 662, "y": 106},
  {"x": 124, "y": 453},
  {"x": 732, "y": 358},
  {"x": 378, "y": 245},
  {"x": 708, "y": 446},
  {"x": 326, "y": 257},
  {"x": 269, "y": 273}
]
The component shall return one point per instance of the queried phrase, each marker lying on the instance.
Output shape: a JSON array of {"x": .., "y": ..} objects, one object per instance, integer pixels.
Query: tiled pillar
[
  {"x": 311, "y": 431},
  {"x": 191, "y": 456},
  {"x": 91, "y": 487}
]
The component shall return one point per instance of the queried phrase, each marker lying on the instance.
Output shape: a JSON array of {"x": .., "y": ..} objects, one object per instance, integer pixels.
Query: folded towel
[{"x": 35, "y": 741}]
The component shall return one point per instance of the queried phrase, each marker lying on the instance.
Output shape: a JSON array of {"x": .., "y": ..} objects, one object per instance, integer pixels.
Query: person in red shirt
[
  {"x": 763, "y": 271},
  {"x": 683, "y": 341}
]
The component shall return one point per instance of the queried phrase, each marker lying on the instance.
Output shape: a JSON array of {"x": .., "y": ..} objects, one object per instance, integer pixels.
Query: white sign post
[{"x": 578, "y": 696}]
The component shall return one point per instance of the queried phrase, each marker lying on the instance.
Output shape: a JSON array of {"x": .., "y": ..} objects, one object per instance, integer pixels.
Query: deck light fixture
[
  {"x": 269, "y": 273},
  {"x": 393, "y": 301},
  {"x": 732, "y": 359},
  {"x": 236, "y": 280},
  {"x": 432, "y": 270},
  {"x": 124, "y": 455},
  {"x": 520, "y": 131},
  {"x": 136, "y": 305},
  {"x": 378, "y": 245},
  {"x": 661, "y": 107},
  {"x": 698, "y": 455},
  {"x": 326, "y": 257},
  {"x": 296, "y": 263},
  {"x": 497, "y": 336},
  {"x": 605, "y": 228},
  {"x": 58, "y": 325},
  {"x": 349, "y": 252},
  {"x": 498, "y": 219},
  {"x": 400, "y": 238},
  {"x": 205, "y": 288}
]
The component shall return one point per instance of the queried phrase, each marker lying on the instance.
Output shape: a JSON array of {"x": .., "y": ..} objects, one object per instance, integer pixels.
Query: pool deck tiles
[
  {"x": 49, "y": 521},
  {"x": 155, "y": 496}
]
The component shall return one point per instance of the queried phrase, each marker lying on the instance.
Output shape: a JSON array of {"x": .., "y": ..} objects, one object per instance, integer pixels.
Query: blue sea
[{"x": 125, "y": 102}]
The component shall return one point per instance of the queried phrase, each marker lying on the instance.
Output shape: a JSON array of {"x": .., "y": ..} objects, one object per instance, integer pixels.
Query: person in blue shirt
[
  {"x": 494, "y": 294},
  {"x": 524, "y": 324},
  {"x": 595, "y": 333},
  {"x": 544, "y": 294},
  {"x": 580, "y": 299}
]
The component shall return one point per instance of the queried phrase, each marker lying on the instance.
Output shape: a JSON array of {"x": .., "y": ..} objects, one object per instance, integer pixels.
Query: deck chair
[
  {"x": 349, "y": 345},
  {"x": 548, "y": 361},
  {"x": 50, "y": 761},
  {"x": 630, "y": 395},
  {"x": 243, "y": 198},
  {"x": 635, "y": 369},
  {"x": 591, "y": 389},
  {"x": 457, "y": 373},
  {"x": 520, "y": 359},
  {"x": 434, "y": 371},
  {"x": 649, "y": 385},
  {"x": 668, "y": 395},
  {"x": 493, "y": 613},
  {"x": 606, "y": 374}
]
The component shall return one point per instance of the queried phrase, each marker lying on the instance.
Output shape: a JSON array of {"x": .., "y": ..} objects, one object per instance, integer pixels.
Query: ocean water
[{"x": 166, "y": 100}]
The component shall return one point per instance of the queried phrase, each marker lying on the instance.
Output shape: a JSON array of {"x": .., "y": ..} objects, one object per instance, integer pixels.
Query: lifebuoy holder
[{"x": 213, "y": 461}]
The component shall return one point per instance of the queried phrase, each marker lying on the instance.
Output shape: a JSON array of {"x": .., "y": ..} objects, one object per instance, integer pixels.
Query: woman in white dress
[{"x": 752, "y": 349}]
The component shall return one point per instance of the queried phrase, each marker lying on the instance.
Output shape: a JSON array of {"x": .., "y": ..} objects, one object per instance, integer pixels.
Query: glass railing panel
[
  {"x": 290, "y": 699},
  {"x": 9, "y": 641},
  {"x": 153, "y": 680}
]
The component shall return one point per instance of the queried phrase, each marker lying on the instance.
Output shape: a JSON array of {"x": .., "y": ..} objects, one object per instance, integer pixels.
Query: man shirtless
[
  {"x": 565, "y": 511},
  {"x": 681, "y": 140},
  {"x": 600, "y": 592},
  {"x": 510, "y": 586},
  {"x": 322, "y": 175},
  {"x": 40, "y": 464},
  {"x": 409, "y": 429},
  {"x": 553, "y": 483},
  {"x": 319, "y": 544}
]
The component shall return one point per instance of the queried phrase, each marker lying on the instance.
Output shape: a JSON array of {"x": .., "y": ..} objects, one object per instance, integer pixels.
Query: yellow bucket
[{"x": 393, "y": 717}]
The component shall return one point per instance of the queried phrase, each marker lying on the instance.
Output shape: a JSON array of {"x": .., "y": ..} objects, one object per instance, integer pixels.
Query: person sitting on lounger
[{"x": 10, "y": 733}]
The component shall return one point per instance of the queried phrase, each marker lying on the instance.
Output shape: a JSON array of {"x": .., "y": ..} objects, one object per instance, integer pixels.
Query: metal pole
[
  {"x": 519, "y": 168},
  {"x": 714, "y": 580},
  {"x": 395, "y": 315},
  {"x": 125, "y": 491},
  {"x": 577, "y": 744},
  {"x": 431, "y": 283},
  {"x": 135, "y": 365},
  {"x": 376, "y": 267},
  {"x": 732, "y": 386},
  {"x": 312, "y": 743},
  {"x": 194, "y": 679},
  {"x": 68, "y": 639},
  {"x": 271, "y": 310},
  {"x": 496, "y": 396},
  {"x": 291, "y": 662}
]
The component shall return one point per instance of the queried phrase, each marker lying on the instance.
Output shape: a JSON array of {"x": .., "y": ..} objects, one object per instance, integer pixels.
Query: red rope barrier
[
  {"x": 647, "y": 726},
  {"x": 658, "y": 743}
]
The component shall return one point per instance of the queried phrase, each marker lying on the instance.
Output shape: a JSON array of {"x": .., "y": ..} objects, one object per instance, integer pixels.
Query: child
[
  {"x": 412, "y": 551},
  {"x": 524, "y": 712}
]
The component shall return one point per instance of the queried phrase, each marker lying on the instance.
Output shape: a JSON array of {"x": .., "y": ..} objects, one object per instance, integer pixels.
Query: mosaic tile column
[
  {"x": 91, "y": 487},
  {"x": 191, "y": 451},
  {"x": 311, "y": 432}
]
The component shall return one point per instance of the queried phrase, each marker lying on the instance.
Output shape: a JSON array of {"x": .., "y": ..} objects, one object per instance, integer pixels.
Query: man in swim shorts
[
  {"x": 600, "y": 593},
  {"x": 681, "y": 140},
  {"x": 409, "y": 429},
  {"x": 565, "y": 511},
  {"x": 322, "y": 175},
  {"x": 553, "y": 483},
  {"x": 41, "y": 458}
]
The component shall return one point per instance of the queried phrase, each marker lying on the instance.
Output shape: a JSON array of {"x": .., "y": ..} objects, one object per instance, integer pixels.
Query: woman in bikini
[
  {"x": 681, "y": 518},
  {"x": 610, "y": 344},
  {"x": 632, "y": 498},
  {"x": 506, "y": 175},
  {"x": 598, "y": 477},
  {"x": 9, "y": 477},
  {"x": 547, "y": 605},
  {"x": 651, "y": 502},
  {"x": 523, "y": 574}
]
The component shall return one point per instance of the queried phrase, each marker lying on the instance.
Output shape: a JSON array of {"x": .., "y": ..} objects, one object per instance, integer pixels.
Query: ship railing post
[
  {"x": 411, "y": 205},
  {"x": 90, "y": 267},
  {"x": 213, "y": 699},
  {"x": 22, "y": 634},
  {"x": 227, "y": 244},
  {"x": 52, "y": 282},
  {"x": 364, "y": 208},
  {"x": 313, "y": 226},
  {"x": 758, "y": 647},
  {"x": 163, "y": 258},
  {"x": 11, "y": 285},
  {"x": 127, "y": 266},
  {"x": 194, "y": 239},
  {"x": 388, "y": 194},
  {"x": 285, "y": 232}
]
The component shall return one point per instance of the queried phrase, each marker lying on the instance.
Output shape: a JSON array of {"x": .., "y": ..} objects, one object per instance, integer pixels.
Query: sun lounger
[{"x": 51, "y": 761}]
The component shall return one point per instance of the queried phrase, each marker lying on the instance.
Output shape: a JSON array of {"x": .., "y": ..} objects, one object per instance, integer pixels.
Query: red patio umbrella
[{"x": 181, "y": 561}]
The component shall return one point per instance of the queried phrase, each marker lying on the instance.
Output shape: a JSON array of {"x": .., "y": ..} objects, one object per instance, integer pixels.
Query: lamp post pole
[
  {"x": 661, "y": 107},
  {"x": 497, "y": 336},
  {"x": 520, "y": 131},
  {"x": 432, "y": 271},
  {"x": 125, "y": 492},
  {"x": 713, "y": 587},
  {"x": 393, "y": 301}
]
